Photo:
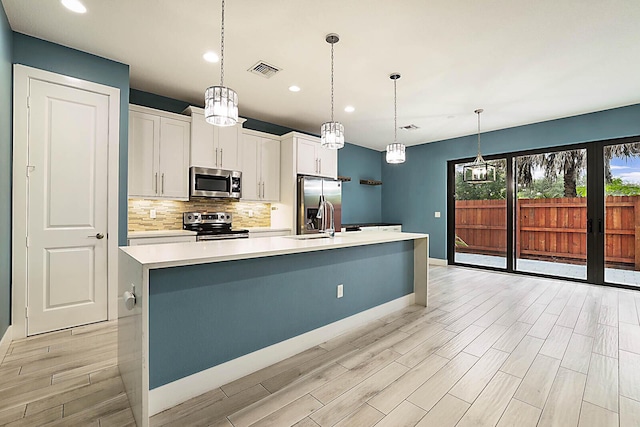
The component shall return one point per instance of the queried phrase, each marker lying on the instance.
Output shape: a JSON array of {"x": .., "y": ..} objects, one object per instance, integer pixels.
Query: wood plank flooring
[{"x": 491, "y": 349}]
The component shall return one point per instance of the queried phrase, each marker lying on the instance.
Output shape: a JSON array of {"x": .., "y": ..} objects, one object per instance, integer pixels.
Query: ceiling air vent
[
  {"x": 263, "y": 69},
  {"x": 409, "y": 127}
]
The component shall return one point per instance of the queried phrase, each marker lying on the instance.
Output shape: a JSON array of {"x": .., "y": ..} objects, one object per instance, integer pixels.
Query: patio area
[{"x": 612, "y": 275}]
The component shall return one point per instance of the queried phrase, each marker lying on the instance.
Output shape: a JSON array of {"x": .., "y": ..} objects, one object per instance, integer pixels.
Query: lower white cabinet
[{"x": 260, "y": 163}]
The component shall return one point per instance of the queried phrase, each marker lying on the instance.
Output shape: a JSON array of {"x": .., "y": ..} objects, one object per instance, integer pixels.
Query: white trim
[
  {"x": 5, "y": 342},
  {"x": 21, "y": 77},
  {"x": 438, "y": 261},
  {"x": 181, "y": 390}
]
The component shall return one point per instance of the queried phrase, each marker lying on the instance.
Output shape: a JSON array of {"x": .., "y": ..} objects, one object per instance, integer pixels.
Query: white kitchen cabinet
[
  {"x": 381, "y": 228},
  {"x": 158, "y": 154},
  {"x": 313, "y": 159},
  {"x": 260, "y": 163},
  {"x": 213, "y": 147},
  {"x": 161, "y": 240}
]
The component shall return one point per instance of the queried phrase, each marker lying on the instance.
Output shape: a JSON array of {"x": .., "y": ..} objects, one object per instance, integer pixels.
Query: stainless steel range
[{"x": 212, "y": 226}]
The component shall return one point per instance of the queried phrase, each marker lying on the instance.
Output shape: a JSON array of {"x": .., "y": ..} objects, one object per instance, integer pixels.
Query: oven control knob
[{"x": 189, "y": 217}]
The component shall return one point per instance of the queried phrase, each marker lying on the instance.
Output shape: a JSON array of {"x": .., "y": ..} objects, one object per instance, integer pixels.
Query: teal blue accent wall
[
  {"x": 360, "y": 203},
  {"x": 6, "y": 107},
  {"x": 204, "y": 315},
  {"x": 52, "y": 57},
  {"x": 412, "y": 192}
]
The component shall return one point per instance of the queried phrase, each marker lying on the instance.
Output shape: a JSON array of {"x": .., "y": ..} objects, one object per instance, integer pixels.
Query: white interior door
[{"x": 67, "y": 207}]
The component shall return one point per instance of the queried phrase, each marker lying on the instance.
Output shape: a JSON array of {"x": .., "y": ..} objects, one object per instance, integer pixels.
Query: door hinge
[
  {"x": 28, "y": 101},
  {"x": 27, "y": 241},
  {"x": 26, "y": 312},
  {"x": 29, "y": 170}
]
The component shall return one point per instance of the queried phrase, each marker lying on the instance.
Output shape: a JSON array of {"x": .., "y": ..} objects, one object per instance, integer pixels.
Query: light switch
[
  {"x": 152, "y": 214},
  {"x": 437, "y": 214}
]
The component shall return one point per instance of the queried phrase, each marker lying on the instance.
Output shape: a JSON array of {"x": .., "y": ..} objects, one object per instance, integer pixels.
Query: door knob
[{"x": 99, "y": 236}]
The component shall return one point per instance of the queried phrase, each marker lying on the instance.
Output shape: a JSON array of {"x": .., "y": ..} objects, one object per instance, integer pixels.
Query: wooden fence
[{"x": 550, "y": 229}]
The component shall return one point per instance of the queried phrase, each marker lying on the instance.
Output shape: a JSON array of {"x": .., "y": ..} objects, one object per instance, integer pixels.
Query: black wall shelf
[{"x": 370, "y": 182}]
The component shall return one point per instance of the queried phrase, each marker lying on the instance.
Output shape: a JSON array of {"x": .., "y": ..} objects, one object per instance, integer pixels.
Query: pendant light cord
[
  {"x": 479, "y": 133},
  {"x": 395, "y": 111},
  {"x": 332, "y": 81},
  {"x": 222, "y": 48}
]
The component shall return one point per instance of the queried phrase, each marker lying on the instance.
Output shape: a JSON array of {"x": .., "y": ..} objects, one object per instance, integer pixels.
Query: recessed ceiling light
[
  {"x": 211, "y": 57},
  {"x": 74, "y": 6},
  {"x": 294, "y": 88},
  {"x": 349, "y": 109}
]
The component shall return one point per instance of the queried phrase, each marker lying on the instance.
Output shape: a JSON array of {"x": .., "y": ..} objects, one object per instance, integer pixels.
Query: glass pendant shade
[
  {"x": 221, "y": 106},
  {"x": 332, "y": 135},
  {"x": 396, "y": 153}
]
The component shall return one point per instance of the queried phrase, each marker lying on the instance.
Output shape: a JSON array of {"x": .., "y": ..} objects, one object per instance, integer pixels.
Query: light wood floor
[{"x": 491, "y": 349}]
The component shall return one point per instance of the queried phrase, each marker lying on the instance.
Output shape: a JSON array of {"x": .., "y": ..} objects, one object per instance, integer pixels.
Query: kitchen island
[{"x": 207, "y": 313}]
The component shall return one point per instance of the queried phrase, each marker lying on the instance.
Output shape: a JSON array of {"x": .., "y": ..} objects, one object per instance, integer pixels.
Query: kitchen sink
[{"x": 308, "y": 236}]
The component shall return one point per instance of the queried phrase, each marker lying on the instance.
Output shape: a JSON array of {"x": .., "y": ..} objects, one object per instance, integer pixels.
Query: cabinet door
[
  {"x": 249, "y": 163},
  {"x": 307, "y": 160},
  {"x": 174, "y": 159},
  {"x": 270, "y": 169},
  {"x": 227, "y": 140},
  {"x": 144, "y": 139},
  {"x": 202, "y": 145},
  {"x": 328, "y": 162}
]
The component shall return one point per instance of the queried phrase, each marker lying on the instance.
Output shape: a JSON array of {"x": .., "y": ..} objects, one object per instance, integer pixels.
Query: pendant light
[
  {"x": 220, "y": 102},
  {"x": 332, "y": 133},
  {"x": 395, "y": 151},
  {"x": 479, "y": 171}
]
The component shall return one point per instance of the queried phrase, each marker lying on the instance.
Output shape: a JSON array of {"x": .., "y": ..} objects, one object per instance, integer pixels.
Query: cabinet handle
[
  {"x": 221, "y": 157},
  {"x": 263, "y": 189},
  {"x": 162, "y": 183},
  {"x": 216, "y": 157},
  {"x": 155, "y": 182},
  {"x": 316, "y": 165},
  {"x": 320, "y": 163}
]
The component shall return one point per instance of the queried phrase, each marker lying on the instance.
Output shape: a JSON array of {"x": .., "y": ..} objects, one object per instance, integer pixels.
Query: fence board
[{"x": 550, "y": 229}]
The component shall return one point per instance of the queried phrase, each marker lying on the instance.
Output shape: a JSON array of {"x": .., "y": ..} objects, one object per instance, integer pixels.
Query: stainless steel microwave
[{"x": 205, "y": 182}]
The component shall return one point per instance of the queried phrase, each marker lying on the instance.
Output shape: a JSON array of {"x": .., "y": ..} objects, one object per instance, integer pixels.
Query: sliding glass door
[
  {"x": 571, "y": 212},
  {"x": 481, "y": 219},
  {"x": 551, "y": 213}
]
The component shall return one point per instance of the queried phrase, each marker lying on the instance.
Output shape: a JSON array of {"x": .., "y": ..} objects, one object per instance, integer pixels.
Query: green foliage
[
  {"x": 544, "y": 188},
  {"x": 619, "y": 188}
]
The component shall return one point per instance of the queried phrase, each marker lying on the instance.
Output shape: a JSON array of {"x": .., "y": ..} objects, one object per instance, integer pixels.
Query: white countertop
[
  {"x": 159, "y": 233},
  {"x": 176, "y": 254}
]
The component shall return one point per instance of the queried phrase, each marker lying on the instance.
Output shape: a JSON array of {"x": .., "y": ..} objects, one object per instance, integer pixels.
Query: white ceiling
[{"x": 523, "y": 61}]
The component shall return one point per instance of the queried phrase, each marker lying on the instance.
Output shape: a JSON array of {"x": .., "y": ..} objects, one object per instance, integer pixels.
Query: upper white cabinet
[
  {"x": 158, "y": 154},
  {"x": 213, "y": 146},
  {"x": 313, "y": 159},
  {"x": 260, "y": 164}
]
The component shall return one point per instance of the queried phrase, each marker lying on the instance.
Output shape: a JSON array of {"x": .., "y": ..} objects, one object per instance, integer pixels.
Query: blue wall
[
  {"x": 413, "y": 192},
  {"x": 203, "y": 315},
  {"x": 70, "y": 62},
  {"x": 6, "y": 39},
  {"x": 360, "y": 203}
]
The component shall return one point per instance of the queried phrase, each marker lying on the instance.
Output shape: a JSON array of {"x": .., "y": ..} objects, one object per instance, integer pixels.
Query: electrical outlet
[
  {"x": 250, "y": 213},
  {"x": 437, "y": 214},
  {"x": 340, "y": 290},
  {"x": 152, "y": 214}
]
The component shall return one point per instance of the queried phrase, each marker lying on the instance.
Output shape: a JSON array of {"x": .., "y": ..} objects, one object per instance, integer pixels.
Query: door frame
[{"x": 21, "y": 78}]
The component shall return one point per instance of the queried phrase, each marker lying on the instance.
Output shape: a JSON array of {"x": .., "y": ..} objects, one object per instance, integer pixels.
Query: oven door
[
  {"x": 203, "y": 237},
  {"x": 205, "y": 182}
]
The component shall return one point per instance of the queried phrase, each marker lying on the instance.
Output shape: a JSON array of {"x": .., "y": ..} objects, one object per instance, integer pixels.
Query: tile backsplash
[{"x": 169, "y": 213}]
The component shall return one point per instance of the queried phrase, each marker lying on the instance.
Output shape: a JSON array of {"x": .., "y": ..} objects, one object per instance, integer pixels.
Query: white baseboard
[
  {"x": 438, "y": 261},
  {"x": 176, "y": 392},
  {"x": 5, "y": 341}
]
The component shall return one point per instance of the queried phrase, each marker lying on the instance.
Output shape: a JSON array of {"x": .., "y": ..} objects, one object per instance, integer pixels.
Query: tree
[{"x": 570, "y": 164}]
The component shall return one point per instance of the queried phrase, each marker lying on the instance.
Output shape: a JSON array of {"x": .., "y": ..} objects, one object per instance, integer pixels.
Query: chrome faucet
[{"x": 322, "y": 216}]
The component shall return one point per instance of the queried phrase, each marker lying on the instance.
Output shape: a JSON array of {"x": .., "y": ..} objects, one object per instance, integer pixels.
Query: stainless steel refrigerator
[{"x": 310, "y": 191}]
